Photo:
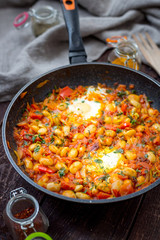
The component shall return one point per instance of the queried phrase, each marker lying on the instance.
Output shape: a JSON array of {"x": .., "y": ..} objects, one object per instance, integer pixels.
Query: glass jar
[
  {"x": 23, "y": 215},
  {"x": 125, "y": 53},
  {"x": 40, "y": 19}
]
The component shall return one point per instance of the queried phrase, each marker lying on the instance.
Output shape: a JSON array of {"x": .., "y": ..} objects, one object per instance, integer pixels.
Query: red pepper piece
[
  {"x": 65, "y": 92},
  {"x": 36, "y": 115},
  {"x": 110, "y": 127},
  {"x": 125, "y": 125},
  {"x": 102, "y": 195},
  {"x": 46, "y": 169},
  {"x": 124, "y": 107},
  {"x": 35, "y": 106},
  {"x": 67, "y": 185}
]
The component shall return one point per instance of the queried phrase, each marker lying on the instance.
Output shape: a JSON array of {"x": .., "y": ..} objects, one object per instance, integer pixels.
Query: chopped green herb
[
  {"x": 155, "y": 175},
  {"x": 42, "y": 140},
  {"x": 61, "y": 172},
  {"x": 85, "y": 191},
  {"x": 146, "y": 155},
  {"x": 28, "y": 135},
  {"x": 152, "y": 138},
  {"x": 121, "y": 93},
  {"x": 121, "y": 173},
  {"x": 140, "y": 184},
  {"x": 118, "y": 130},
  {"x": 38, "y": 112},
  {"x": 120, "y": 150},
  {"x": 119, "y": 113},
  {"x": 37, "y": 148},
  {"x": 117, "y": 103},
  {"x": 34, "y": 138},
  {"x": 110, "y": 147},
  {"x": 133, "y": 91},
  {"x": 44, "y": 107},
  {"x": 108, "y": 91},
  {"x": 49, "y": 94},
  {"x": 149, "y": 100},
  {"x": 98, "y": 161},
  {"x": 25, "y": 143},
  {"x": 104, "y": 177}
]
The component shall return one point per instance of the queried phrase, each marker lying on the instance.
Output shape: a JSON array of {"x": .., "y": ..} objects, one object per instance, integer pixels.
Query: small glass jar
[
  {"x": 40, "y": 19},
  {"x": 23, "y": 216},
  {"x": 125, "y": 53}
]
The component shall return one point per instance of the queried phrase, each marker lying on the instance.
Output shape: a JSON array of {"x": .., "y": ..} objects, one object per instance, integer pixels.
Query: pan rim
[{"x": 30, "y": 181}]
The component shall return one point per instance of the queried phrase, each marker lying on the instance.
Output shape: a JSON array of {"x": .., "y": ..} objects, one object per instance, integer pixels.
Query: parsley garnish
[
  {"x": 42, "y": 140},
  {"x": 118, "y": 130},
  {"x": 34, "y": 138},
  {"x": 37, "y": 148},
  {"x": 61, "y": 172},
  {"x": 49, "y": 94},
  {"x": 121, "y": 93},
  {"x": 121, "y": 173},
  {"x": 108, "y": 91},
  {"x": 98, "y": 161},
  {"x": 120, "y": 150},
  {"x": 146, "y": 155},
  {"x": 116, "y": 103}
]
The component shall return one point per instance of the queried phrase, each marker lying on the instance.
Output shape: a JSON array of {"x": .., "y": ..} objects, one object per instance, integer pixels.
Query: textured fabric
[{"x": 24, "y": 57}]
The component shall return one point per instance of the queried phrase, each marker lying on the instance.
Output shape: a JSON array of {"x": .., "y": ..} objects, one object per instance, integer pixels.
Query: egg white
[
  {"x": 85, "y": 108},
  {"x": 98, "y": 90},
  {"x": 105, "y": 162}
]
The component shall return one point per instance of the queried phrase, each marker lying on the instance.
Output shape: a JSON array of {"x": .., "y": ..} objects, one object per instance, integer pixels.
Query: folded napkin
[{"x": 24, "y": 57}]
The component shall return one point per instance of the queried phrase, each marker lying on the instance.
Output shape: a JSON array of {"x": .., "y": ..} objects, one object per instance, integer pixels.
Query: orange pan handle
[{"x": 77, "y": 52}]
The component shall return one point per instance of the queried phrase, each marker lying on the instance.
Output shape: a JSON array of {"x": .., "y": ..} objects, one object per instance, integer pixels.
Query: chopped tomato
[
  {"x": 65, "y": 92},
  {"x": 35, "y": 106},
  {"x": 78, "y": 175},
  {"x": 124, "y": 107},
  {"x": 111, "y": 127},
  {"x": 102, "y": 195},
  {"x": 23, "y": 125},
  {"x": 27, "y": 152},
  {"x": 67, "y": 185},
  {"x": 36, "y": 115},
  {"x": 144, "y": 165},
  {"x": 125, "y": 125},
  {"x": 116, "y": 193},
  {"x": 122, "y": 177},
  {"x": 70, "y": 176},
  {"x": 126, "y": 189},
  {"x": 46, "y": 169}
]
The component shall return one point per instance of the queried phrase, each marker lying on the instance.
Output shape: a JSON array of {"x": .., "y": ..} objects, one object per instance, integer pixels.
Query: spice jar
[
  {"x": 23, "y": 215},
  {"x": 125, "y": 52},
  {"x": 40, "y": 19}
]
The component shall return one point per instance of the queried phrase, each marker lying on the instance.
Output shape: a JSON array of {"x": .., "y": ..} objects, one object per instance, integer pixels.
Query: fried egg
[
  {"x": 98, "y": 90},
  {"x": 85, "y": 108},
  {"x": 105, "y": 162}
]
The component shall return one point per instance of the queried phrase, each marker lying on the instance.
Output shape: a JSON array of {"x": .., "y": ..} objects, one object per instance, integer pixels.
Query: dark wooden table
[{"x": 135, "y": 219}]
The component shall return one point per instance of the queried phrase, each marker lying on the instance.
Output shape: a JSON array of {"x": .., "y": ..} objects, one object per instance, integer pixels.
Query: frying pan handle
[{"x": 77, "y": 52}]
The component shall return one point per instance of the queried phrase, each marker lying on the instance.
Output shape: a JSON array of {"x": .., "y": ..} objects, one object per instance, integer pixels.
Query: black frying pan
[{"x": 78, "y": 73}]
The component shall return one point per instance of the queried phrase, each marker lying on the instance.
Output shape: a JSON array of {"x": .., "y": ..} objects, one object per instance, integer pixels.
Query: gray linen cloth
[{"x": 24, "y": 57}]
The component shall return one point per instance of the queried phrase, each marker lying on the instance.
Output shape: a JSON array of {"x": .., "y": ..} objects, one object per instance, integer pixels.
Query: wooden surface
[{"x": 135, "y": 219}]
